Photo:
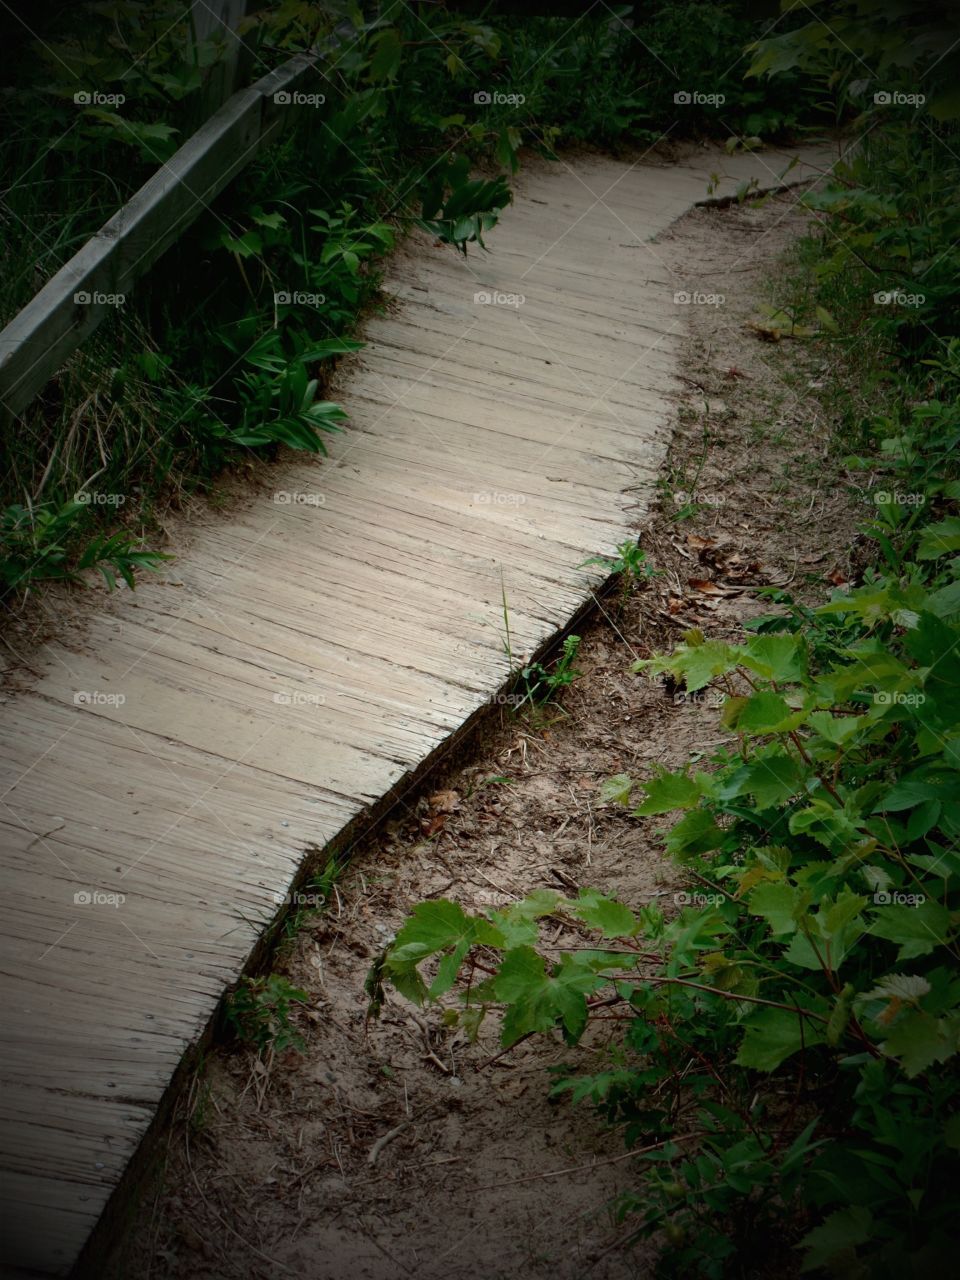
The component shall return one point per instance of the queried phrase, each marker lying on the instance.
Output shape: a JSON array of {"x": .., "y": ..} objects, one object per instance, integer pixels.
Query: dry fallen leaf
[
  {"x": 444, "y": 801},
  {"x": 708, "y": 588},
  {"x": 700, "y": 544},
  {"x": 764, "y": 332}
]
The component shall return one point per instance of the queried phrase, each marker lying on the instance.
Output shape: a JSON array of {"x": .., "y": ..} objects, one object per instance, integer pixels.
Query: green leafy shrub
[
  {"x": 540, "y": 684},
  {"x": 259, "y": 1013},
  {"x": 426, "y": 111},
  {"x": 820, "y": 950},
  {"x": 891, "y": 208},
  {"x": 51, "y": 543},
  {"x": 788, "y": 1063}
]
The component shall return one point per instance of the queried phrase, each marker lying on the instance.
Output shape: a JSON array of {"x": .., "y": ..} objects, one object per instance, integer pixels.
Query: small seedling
[
  {"x": 496, "y": 780},
  {"x": 540, "y": 684},
  {"x": 258, "y": 1012},
  {"x": 630, "y": 563}
]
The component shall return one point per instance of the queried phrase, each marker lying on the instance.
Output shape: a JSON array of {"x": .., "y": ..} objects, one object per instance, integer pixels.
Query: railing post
[{"x": 220, "y": 19}]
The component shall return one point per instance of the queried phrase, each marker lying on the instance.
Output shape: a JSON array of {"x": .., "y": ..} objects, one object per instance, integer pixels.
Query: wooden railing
[{"x": 70, "y": 306}]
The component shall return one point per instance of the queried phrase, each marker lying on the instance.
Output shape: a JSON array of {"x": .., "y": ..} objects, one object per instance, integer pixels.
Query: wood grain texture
[{"x": 160, "y": 783}]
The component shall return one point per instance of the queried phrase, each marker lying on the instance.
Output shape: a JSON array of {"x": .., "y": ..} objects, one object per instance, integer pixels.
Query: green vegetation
[
  {"x": 787, "y": 1065},
  {"x": 259, "y": 1013},
  {"x": 630, "y": 564},
  {"x": 221, "y": 358},
  {"x": 540, "y": 684}
]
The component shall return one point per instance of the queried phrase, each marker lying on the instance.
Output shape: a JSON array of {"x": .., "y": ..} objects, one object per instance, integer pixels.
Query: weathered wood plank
[{"x": 154, "y": 759}]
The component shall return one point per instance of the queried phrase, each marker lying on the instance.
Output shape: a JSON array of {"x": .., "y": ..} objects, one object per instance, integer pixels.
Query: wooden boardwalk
[{"x": 162, "y": 782}]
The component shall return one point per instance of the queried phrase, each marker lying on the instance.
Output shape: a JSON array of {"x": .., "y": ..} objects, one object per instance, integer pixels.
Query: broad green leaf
[
  {"x": 826, "y": 824},
  {"x": 842, "y": 1231},
  {"x": 695, "y": 834},
  {"x": 816, "y": 950},
  {"x": 434, "y": 926},
  {"x": 772, "y": 779},
  {"x": 835, "y": 916},
  {"x": 522, "y": 973},
  {"x": 447, "y": 970},
  {"x": 613, "y": 919},
  {"x": 779, "y": 904},
  {"x": 273, "y": 221},
  {"x": 536, "y": 1000},
  {"x": 867, "y": 602},
  {"x": 385, "y": 62},
  {"x": 244, "y": 246},
  {"x": 767, "y": 712},
  {"x": 918, "y": 1040},
  {"x": 772, "y": 1035},
  {"x": 775, "y": 657},
  {"x": 919, "y": 929},
  {"x": 836, "y": 729},
  {"x": 669, "y": 791},
  {"x": 697, "y": 664},
  {"x": 908, "y": 987},
  {"x": 938, "y": 539},
  {"x": 917, "y": 788},
  {"x": 945, "y": 602},
  {"x": 616, "y": 790},
  {"x": 518, "y": 923}
]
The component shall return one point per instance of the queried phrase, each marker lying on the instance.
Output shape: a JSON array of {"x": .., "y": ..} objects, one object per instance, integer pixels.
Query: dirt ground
[{"x": 395, "y": 1147}]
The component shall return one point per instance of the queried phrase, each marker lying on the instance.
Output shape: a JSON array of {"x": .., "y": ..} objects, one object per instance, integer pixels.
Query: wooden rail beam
[{"x": 70, "y": 306}]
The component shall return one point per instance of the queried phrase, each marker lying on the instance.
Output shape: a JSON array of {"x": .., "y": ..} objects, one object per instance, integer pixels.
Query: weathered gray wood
[
  {"x": 37, "y": 341},
  {"x": 221, "y": 18},
  {"x": 299, "y": 660}
]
